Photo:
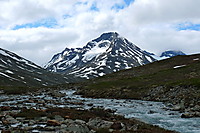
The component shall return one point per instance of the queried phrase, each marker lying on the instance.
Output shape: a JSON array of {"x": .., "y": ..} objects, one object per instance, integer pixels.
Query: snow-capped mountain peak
[
  {"x": 171, "y": 53},
  {"x": 106, "y": 54}
]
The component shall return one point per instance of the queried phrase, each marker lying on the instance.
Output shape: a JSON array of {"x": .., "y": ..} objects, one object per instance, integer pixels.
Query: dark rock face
[{"x": 106, "y": 54}]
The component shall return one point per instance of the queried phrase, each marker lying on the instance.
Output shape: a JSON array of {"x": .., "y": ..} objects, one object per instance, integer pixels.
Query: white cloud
[{"x": 150, "y": 24}]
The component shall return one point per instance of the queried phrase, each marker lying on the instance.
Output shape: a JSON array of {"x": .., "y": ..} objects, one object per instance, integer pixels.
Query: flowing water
[{"x": 155, "y": 113}]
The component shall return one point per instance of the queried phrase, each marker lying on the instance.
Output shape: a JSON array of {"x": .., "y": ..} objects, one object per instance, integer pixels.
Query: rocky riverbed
[
  {"x": 69, "y": 121},
  {"x": 62, "y": 111}
]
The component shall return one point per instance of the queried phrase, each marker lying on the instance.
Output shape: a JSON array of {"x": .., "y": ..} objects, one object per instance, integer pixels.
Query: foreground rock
[{"x": 78, "y": 121}]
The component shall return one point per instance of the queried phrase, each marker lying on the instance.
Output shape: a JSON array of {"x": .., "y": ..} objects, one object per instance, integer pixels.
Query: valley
[{"x": 109, "y": 85}]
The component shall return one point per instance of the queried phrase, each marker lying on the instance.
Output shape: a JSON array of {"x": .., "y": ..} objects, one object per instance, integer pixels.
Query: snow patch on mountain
[{"x": 175, "y": 67}]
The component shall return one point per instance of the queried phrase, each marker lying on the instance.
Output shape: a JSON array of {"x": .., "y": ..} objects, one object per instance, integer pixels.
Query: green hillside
[{"x": 175, "y": 80}]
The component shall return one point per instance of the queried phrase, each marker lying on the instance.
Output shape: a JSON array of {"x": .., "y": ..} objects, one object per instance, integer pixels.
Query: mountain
[
  {"x": 171, "y": 53},
  {"x": 108, "y": 53},
  {"x": 17, "y": 71}
]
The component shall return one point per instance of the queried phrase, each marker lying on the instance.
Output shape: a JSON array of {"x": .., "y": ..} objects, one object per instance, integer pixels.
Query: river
[{"x": 155, "y": 113}]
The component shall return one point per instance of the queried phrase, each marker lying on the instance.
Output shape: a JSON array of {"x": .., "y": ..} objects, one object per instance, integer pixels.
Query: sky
[{"x": 38, "y": 29}]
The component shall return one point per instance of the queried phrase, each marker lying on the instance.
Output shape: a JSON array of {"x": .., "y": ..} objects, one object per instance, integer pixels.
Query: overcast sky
[{"x": 38, "y": 29}]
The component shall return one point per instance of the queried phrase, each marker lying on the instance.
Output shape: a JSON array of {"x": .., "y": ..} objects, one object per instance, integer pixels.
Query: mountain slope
[
  {"x": 106, "y": 54},
  {"x": 172, "y": 71},
  {"x": 17, "y": 71},
  {"x": 174, "y": 80}
]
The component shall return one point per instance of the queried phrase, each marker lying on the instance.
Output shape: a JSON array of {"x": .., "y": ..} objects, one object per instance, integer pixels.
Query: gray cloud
[{"x": 150, "y": 24}]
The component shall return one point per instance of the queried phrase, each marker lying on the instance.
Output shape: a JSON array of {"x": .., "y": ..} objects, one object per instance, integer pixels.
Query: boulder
[
  {"x": 97, "y": 123},
  {"x": 190, "y": 115},
  {"x": 187, "y": 115},
  {"x": 68, "y": 121},
  {"x": 59, "y": 118},
  {"x": 77, "y": 128},
  {"x": 117, "y": 126},
  {"x": 53, "y": 123},
  {"x": 178, "y": 107},
  {"x": 80, "y": 121},
  {"x": 196, "y": 108},
  {"x": 11, "y": 120}
]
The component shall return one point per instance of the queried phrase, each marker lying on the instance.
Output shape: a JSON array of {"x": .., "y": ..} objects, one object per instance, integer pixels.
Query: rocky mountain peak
[
  {"x": 106, "y": 54},
  {"x": 107, "y": 36}
]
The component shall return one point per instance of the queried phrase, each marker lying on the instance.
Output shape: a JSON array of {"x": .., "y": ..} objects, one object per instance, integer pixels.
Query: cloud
[
  {"x": 37, "y": 44},
  {"x": 45, "y": 27},
  {"x": 159, "y": 11}
]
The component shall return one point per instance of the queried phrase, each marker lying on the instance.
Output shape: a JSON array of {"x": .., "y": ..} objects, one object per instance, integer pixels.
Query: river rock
[
  {"x": 97, "y": 123},
  {"x": 59, "y": 118},
  {"x": 11, "y": 120},
  {"x": 30, "y": 122},
  {"x": 21, "y": 119},
  {"x": 43, "y": 119},
  {"x": 151, "y": 112},
  {"x": 2, "y": 116},
  {"x": 80, "y": 121},
  {"x": 178, "y": 107},
  {"x": 77, "y": 128},
  {"x": 68, "y": 121},
  {"x": 117, "y": 126},
  {"x": 196, "y": 108},
  {"x": 53, "y": 123},
  {"x": 57, "y": 94},
  {"x": 187, "y": 115},
  {"x": 28, "y": 128}
]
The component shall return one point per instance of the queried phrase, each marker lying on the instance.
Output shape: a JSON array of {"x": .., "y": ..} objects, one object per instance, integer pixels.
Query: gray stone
[
  {"x": 196, "y": 108},
  {"x": 63, "y": 126},
  {"x": 21, "y": 119},
  {"x": 28, "y": 128},
  {"x": 178, "y": 107},
  {"x": 31, "y": 122},
  {"x": 80, "y": 121},
  {"x": 59, "y": 118},
  {"x": 68, "y": 121},
  {"x": 97, "y": 123},
  {"x": 187, "y": 115},
  {"x": 11, "y": 120},
  {"x": 78, "y": 128}
]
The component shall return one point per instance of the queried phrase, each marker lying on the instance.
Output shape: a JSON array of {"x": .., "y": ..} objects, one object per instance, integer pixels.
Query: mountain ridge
[{"x": 18, "y": 71}]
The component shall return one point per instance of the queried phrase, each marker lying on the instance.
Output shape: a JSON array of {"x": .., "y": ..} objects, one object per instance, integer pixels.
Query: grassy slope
[{"x": 138, "y": 82}]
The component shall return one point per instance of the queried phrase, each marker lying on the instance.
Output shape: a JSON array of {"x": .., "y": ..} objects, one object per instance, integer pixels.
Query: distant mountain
[
  {"x": 108, "y": 53},
  {"x": 17, "y": 71},
  {"x": 171, "y": 53}
]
